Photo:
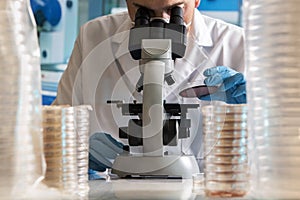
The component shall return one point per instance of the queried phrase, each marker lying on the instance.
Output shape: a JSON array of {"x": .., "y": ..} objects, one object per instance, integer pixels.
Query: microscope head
[{"x": 157, "y": 28}]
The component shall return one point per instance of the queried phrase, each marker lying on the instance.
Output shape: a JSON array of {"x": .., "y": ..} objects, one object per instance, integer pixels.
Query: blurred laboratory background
[{"x": 56, "y": 38}]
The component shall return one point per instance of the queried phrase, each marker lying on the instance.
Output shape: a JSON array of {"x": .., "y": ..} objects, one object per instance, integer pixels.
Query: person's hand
[
  {"x": 232, "y": 85},
  {"x": 103, "y": 150}
]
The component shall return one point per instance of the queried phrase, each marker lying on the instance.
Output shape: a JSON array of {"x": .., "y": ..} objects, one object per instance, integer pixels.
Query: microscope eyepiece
[
  {"x": 142, "y": 17},
  {"x": 147, "y": 27},
  {"x": 177, "y": 16}
]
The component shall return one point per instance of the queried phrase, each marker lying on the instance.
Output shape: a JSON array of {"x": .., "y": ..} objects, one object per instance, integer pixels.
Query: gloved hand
[
  {"x": 232, "y": 85},
  {"x": 103, "y": 150},
  {"x": 93, "y": 175}
]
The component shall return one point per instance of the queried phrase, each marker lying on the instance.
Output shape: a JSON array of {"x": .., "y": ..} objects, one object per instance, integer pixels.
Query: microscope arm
[
  {"x": 153, "y": 113},
  {"x": 156, "y": 62}
]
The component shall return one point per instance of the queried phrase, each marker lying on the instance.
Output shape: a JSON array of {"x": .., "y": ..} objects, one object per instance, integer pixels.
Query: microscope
[{"x": 156, "y": 44}]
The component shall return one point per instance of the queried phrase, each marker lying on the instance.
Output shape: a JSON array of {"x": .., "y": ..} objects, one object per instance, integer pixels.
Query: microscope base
[{"x": 183, "y": 166}]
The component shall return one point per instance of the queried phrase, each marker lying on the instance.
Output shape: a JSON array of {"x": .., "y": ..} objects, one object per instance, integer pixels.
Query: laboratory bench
[{"x": 148, "y": 189}]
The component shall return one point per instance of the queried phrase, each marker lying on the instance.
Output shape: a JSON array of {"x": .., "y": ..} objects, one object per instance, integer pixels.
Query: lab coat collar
[{"x": 199, "y": 30}]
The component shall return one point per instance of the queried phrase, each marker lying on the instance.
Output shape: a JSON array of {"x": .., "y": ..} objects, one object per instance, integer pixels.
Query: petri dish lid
[
  {"x": 241, "y": 159},
  {"x": 230, "y": 151},
  {"x": 211, "y": 133},
  {"x": 228, "y": 168},
  {"x": 227, "y": 185},
  {"x": 278, "y": 161},
  {"x": 291, "y": 151},
  {"x": 230, "y": 109},
  {"x": 228, "y": 176},
  {"x": 280, "y": 173},
  {"x": 192, "y": 91},
  {"x": 225, "y": 143}
]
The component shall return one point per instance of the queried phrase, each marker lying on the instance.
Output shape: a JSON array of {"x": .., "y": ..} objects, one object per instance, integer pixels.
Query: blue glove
[
  {"x": 232, "y": 85},
  {"x": 93, "y": 175},
  {"x": 103, "y": 150}
]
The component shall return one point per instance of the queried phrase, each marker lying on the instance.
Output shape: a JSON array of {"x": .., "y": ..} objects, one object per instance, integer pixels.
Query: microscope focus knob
[{"x": 170, "y": 79}]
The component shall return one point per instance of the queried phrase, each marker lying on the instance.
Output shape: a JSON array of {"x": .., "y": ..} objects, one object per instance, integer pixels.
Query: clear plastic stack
[
  {"x": 69, "y": 150},
  {"x": 66, "y": 148},
  {"x": 226, "y": 168},
  {"x": 82, "y": 129},
  {"x": 273, "y": 91},
  {"x": 20, "y": 101}
]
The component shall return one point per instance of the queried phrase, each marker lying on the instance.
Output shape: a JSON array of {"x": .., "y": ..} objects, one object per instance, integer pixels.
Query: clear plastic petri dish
[
  {"x": 208, "y": 122},
  {"x": 286, "y": 175},
  {"x": 211, "y": 159},
  {"x": 198, "y": 180},
  {"x": 69, "y": 152},
  {"x": 68, "y": 160},
  {"x": 51, "y": 128},
  {"x": 53, "y": 110},
  {"x": 288, "y": 150},
  {"x": 54, "y": 163},
  {"x": 68, "y": 111},
  {"x": 282, "y": 182},
  {"x": 54, "y": 171},
  {"x": 230, "y": 109},
  {"x": 51, "y": 120},
  {"x": 52, "y": 137},
  {"x": 53, "y": 177},
  {"x": 262, "y": 131},
  {"x": 236, "y": 117},
  {"x": 277, "y": 121},
  {"x": 226, "y": 188},
  {"x": 230, "y": 126},
  {"x": 83, "y": 163},
  {"x": 82, "y": 170},
  {"x": 82, "y": 154},
  {"x": 269, "y": 153},
  {"x": 69, "y": 135},
  {"x": 226, "y": 168},
  {"x": 52, "y": 145},
  {"x": 240, "y": 142},
  {"x": 264, "y": 114},
  {"x": 82, "y": 143},
  {"x": 207, "y": 110},
  {"x": 236, "y": 134},
  {"x": 229, "y": 151},
  {"x": 278, "y": 161},
  {"x": 228, "y": 176},
  {"x": 278, "y": 141}
]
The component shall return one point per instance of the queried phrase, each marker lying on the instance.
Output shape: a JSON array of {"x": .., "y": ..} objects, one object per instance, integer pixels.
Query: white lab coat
[{"x": 92, "y": 76}]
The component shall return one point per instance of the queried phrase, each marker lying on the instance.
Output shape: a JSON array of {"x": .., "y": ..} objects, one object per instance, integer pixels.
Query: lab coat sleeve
[
  {"x": 235, "y": 45},
  {"x": 71, "y": 79}
]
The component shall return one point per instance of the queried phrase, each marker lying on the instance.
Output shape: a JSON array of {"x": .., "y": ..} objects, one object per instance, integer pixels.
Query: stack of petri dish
[
  {"x": 9, "y": 76},
  {"x": 273, "y": 88},
  {"x": 226, "y": 168},
  {"x": 66, "y": 136},
  {"x": 52, "y": 126},
  {"x": 82, "y": 129},
  {"x": 69, "y": 150},
  {"x": 20, "y": 101}
]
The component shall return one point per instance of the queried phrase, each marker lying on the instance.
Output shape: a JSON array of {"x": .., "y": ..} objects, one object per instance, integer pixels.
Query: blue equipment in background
[
  {"x": 46, "y": 11},
  {"x": 227, "y": 10},
  {"x": 57, "y": 22}
]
